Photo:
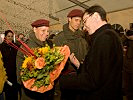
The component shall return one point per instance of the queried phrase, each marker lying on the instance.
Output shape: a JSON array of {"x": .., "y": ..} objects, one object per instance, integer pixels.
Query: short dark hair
[
  {"x": 99, "y": 10},
  {"x": 20, "y": 34},
  {"x": 8, "y": 31},
  {"x": 129, "y": 33}
]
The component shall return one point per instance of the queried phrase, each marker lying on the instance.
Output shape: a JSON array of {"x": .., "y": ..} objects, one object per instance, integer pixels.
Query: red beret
[
  {"x": 40, "y": 22},
  {"x": 75, "y": 13}
]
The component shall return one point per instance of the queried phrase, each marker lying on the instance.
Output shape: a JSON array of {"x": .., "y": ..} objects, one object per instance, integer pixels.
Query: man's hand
[{"x": 74, "y": 60}]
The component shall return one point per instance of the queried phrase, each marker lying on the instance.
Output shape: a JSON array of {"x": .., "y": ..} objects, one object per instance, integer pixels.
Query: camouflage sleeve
[{"x": 19, "y": 61}]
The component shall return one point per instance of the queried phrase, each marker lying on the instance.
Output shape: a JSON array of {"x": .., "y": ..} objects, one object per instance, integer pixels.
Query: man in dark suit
[{"x": 99, "y": 78}]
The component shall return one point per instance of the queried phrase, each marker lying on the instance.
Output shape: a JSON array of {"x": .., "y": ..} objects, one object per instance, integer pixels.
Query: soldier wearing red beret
[
  {"x": 75, "y": 13},
  {"x": 38, "y": 38},
  {"x": 73, "y": 37},
  {"x": 41, "y": 29},
  {"x": 40, "y": 22}
]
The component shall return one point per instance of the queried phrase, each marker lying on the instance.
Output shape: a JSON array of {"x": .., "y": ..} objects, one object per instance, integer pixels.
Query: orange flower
[{"x": 40, "y": 63}]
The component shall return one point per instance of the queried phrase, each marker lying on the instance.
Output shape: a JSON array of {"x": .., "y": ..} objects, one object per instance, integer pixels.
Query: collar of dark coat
[
  {"x": 130, "y": 49},
  {"x": 99, "y": 30},
  {"x": 69, "y": 34},
  {"x": 130, "y": 43}
]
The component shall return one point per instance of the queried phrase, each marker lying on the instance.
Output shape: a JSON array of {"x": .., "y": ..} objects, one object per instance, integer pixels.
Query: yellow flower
[
  {"x": 43, "y": 50},
  {"x": 27, "y": 60}
]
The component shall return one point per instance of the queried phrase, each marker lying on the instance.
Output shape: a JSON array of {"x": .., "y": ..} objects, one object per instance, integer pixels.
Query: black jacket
[
  {"x": 128, "y": 58},
  {"x": 9, "y": 60},
  {"x": 99, "y": 77}
]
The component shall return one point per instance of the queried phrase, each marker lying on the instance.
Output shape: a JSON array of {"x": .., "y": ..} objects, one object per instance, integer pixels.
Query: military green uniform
[
  {"x": 33, "y": 42},
  {"x": 74, "y": 40}
]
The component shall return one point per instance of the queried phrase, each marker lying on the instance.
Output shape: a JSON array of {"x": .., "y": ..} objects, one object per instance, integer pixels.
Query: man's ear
[
  {"x": 69, "y": 19},
  {"x": 34, "y": 29},
  {"x": 96, "y": 16}
]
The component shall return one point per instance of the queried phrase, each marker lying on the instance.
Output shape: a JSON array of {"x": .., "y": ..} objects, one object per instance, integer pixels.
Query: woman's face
[
  {"x": 9, "y": 36},
  {"x": 41, "y": 33}
]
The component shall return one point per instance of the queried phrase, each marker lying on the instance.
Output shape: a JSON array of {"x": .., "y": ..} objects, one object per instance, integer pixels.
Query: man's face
[
  {"x": 41, "y": 33},
  {"x": 9, "y": 36},
  {"x": 74, "y": 22},
  {"x": 21, "y": 36},
  {"x": 87, "y": 22}
]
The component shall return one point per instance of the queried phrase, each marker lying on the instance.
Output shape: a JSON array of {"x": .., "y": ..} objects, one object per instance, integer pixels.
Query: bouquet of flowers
[{"x": 39, "y": 72}]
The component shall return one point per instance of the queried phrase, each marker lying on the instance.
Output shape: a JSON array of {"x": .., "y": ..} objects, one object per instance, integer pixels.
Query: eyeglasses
[{"x": 84, "y": 21}]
